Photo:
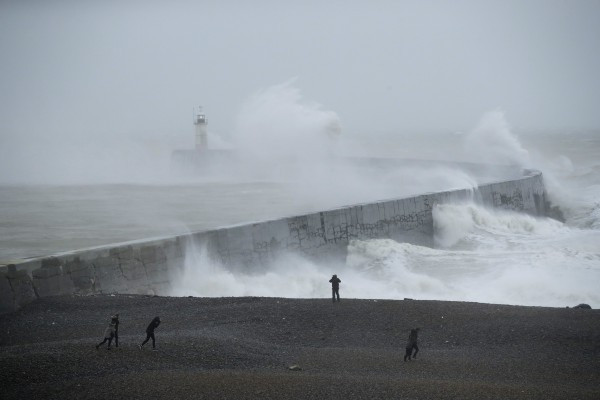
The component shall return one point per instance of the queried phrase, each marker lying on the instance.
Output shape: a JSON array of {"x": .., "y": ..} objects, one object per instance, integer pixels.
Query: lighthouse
[
  {"x": 199, "y": 159},
  {"x": 201, "y": 134}
]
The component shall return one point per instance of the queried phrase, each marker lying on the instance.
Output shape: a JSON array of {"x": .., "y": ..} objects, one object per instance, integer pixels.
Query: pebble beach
[{"x": 279, "y": 348}]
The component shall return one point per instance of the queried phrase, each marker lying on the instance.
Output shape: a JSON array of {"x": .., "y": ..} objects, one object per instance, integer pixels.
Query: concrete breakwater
[{"x": 149, "y": 267}]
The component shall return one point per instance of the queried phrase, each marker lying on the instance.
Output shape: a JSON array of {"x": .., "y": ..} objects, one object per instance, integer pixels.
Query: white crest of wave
[
  {"x": 530, "y": 269},
  {"x": 546, "y": 272},
  {"x": 289, "y": 276},
  {"x": 454, "y": 222},
  {"x": 383, "y": 268},
  {"x": 373, "y": 269},
  {"x": 572, "y": 187}
]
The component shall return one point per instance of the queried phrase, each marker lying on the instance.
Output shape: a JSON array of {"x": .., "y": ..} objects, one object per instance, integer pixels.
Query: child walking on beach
[{"x": 109, "y": 333}]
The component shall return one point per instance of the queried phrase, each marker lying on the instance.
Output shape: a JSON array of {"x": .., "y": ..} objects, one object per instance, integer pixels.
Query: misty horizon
[{"x": 88, "y": 88}]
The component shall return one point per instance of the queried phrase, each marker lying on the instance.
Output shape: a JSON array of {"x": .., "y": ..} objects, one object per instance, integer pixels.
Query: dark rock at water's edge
[{"x": 583, "y": 305}]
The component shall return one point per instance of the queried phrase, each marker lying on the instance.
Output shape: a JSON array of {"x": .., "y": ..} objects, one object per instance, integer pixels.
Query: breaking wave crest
[{"x": 454, "y": 223}]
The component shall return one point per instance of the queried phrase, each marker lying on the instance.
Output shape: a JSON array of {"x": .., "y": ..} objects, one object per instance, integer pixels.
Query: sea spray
[
  {"x": 495, "y": 257},
  {"x": 493, "y": 142},
  {"x": 281, "y": 136},
  {"x": 276, "y": 124},
  {"x": 287, "y": 275},
  {"x": 454, "y": 222}
]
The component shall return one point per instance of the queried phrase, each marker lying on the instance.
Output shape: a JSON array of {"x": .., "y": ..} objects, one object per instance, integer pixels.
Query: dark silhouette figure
[
  {"x": 114, "y": 320},
  {"x": 335, "y": 287},
  {"x": 413, "y": 338},
  {"x": 109, "y": 333},
  {"x": 150, "y": 333}
]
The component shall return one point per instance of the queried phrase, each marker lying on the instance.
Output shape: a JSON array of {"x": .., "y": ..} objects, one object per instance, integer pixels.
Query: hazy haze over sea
[{"x": 95, "y": 97}]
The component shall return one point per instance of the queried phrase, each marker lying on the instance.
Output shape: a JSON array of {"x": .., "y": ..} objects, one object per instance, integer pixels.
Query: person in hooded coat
[
  {"x": 114, "y": 320},
  {"x": 335, "y": 287},
  {"x": 150, "y": 333},
  {"x": 413, "y": 338}
]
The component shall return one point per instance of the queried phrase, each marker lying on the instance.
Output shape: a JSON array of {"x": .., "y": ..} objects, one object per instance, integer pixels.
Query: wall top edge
[{"x": 527, "y": 174}]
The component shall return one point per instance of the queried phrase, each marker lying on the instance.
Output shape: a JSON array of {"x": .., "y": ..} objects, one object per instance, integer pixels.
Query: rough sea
[{"x": 480, "y": 255}]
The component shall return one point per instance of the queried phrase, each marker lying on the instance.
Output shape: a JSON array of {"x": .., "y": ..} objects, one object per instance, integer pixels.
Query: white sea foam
[
  {"x": 453, "y": 222},
  {"x": 481, "y": 255},
  {"x": 288, "y": 276},
  {"x": 495, "y": 257}
]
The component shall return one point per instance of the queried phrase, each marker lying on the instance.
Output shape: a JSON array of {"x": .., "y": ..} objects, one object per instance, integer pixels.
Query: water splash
[
  {"x": 493, "y": 142},
  {"x": 277, "y": 123},
  {"x": 495, "y": 257}
]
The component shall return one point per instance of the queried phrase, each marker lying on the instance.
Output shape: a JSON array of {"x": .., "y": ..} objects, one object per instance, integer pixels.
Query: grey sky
[{"x": 112, "y": 67}]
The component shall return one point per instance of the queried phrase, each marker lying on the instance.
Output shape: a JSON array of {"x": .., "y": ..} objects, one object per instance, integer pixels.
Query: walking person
[
  {"x": 114, "y": 320},
  {"x": 109, "y": 333},
  {"x": 413, "y": 338},
  {"x": 150, "y": 333},
  {"x": 335, "y": 288}
]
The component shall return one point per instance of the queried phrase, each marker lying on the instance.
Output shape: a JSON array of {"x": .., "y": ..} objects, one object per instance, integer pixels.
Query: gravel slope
[{"x": 241, "y": 348}]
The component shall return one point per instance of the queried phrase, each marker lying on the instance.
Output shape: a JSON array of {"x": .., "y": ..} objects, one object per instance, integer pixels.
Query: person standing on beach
[
  {"x": 413, "y": 338},
  {"x": 150, "y": 333},
  {"x": 335, "y": 288},
  {"x": 114, "y": 320},
  {"x": 109, "y": 333}
]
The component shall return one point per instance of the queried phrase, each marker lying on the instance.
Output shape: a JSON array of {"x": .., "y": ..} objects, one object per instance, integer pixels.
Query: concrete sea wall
[{"x": 148, "y": 267}]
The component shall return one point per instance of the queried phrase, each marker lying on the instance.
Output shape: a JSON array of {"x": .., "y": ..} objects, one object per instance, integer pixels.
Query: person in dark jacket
[
  {"x": 150, "y": 333},
  {"x": 413, "y": 338},
  {"x": 335, "y": 287},
  {"x": 114, "y": 320},
  {"x": 109, "y": 333}
]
